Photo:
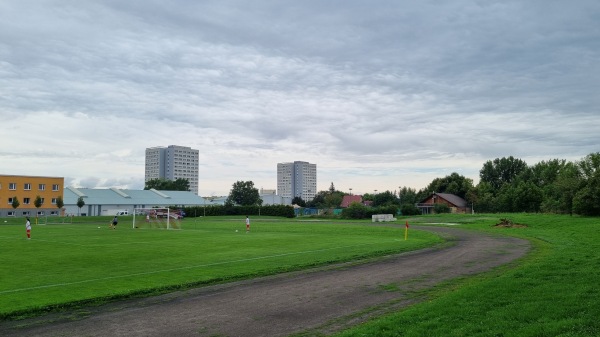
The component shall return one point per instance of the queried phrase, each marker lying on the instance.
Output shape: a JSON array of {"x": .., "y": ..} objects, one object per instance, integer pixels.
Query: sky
[{"x": 378, "y": 94}]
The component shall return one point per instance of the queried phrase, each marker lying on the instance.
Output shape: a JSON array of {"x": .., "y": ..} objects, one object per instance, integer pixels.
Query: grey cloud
[{"x": 395, "y": 83}]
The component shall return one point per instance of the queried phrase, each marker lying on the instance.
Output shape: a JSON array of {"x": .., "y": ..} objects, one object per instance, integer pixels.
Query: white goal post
[
  {"x": 156, "y": 218},
  {"x": 54, "y": 220}
]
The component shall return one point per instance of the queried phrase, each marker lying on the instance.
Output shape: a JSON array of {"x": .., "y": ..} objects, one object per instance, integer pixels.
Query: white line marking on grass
[
  {"x": 180, "y": 268},
  {"x": 62, "y": 243},
  {"x": 92, "y": 245}
]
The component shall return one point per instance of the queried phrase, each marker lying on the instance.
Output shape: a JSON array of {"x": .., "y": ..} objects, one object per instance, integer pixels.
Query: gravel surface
[{"x": 323, "y": 300}]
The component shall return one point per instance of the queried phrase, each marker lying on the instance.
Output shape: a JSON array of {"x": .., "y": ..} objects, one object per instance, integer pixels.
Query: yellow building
[{"x": 26, "y": 189}]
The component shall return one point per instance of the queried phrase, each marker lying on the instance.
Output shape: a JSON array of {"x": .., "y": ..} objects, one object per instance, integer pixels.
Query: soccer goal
[
  {"x": 156, "y": 218},
  {"x": 54, "y": 220}
]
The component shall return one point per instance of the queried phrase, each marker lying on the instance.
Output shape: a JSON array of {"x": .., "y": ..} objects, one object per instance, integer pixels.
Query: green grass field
[
  {"x": 66, "y": 265},
  {"x": 555, "y": 291}
]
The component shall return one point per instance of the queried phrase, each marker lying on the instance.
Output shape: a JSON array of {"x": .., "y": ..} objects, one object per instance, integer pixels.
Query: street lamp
[{"x": 350, "y": 190}]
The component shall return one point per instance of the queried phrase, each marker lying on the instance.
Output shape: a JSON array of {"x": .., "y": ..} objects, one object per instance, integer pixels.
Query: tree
[
  {"x": 566, "y": 185},
  {"x": 441, "y": 208},
  {"x": 386, "y": 198},
  {"x": 454, "y": 183},
  {"x": 408, "y": 209},
  {"x": 587, "y": 199},
  {"x": 483, "y": 199},
  {"x": 355, "y": 211},
  {"x": 15, "y": 202},
  {"x": 38, "y": 203},
  {"x": 528, "y": 197},
  {"x": 59, "y": 203},
  {"x": 544, "y": 173},
  {"x": 501, "y": 171},
  {"x": 559, "y": 181},
  {"x": 331, "y": 188},
  {"x": 505, "y": 198},
  {"x": 330, "y": 198},
  {"x": 318, "y": 201},
  {"x": 333, "y": 200},
  {"x": 407, "y": 196},
  {"x": 244, "y": 193},
  {"x": 179, "y": 184},
  {"x": 80, "y": 203},
  {"x": 298, "y": 201}
]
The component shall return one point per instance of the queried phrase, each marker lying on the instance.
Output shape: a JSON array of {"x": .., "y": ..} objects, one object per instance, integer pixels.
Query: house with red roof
[
  {"x": 456, "y": 203},
  {"x": 349, "y": 199}
]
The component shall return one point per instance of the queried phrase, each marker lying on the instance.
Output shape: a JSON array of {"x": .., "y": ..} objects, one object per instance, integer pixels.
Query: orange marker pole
[{"x": 406, "y": 231}]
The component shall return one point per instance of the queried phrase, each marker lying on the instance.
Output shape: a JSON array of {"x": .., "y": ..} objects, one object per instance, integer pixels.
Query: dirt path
[{"x": 321, "y": 300}]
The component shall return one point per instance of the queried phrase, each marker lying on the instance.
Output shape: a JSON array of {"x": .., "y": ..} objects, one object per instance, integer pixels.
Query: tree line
[
  {"x": 553, "y": 186},
  {"x": 506, "y": 184}
]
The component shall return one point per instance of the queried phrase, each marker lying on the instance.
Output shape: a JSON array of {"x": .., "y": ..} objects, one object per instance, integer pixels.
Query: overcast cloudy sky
[{"x": 378, "y": 94}]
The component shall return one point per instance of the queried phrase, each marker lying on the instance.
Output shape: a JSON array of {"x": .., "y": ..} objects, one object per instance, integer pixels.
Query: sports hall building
[{"x": 115, "y": 201}]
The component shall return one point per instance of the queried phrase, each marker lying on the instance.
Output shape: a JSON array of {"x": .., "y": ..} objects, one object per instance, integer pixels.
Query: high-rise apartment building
[
  {"x": 297, "y": 179},
  {"x": 173, "y": 162}
]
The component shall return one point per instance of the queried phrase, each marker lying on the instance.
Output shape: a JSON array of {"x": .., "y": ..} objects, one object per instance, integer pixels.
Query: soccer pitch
[{"x": 69, "y": 264}]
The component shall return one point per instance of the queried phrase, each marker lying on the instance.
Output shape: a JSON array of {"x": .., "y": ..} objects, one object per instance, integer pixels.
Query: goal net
[
  {"x": 54, "y": 220},
  {"x": 156, "y": 218}
]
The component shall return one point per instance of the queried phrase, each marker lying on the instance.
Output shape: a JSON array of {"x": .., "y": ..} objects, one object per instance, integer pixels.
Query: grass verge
[{"x": 555, "y": 291}]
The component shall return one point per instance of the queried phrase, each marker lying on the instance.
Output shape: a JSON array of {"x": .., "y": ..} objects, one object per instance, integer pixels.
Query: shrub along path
[{"x": 319, "y": 301}]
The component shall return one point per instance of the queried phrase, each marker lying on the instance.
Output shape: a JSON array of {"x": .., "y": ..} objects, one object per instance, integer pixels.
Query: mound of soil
[{"x": 509, "y": 224}]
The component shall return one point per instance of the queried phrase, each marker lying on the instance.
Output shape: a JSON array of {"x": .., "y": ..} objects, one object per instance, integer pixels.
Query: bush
[
  {"x": 271, "y": 210},
  {"x": 355, "y": 211},
  {"x": 407, "y": 209},
  {"x": 441, "y": 208},
  {"x": 388, "y": 209},
  {"x": 359, "y": 211}
]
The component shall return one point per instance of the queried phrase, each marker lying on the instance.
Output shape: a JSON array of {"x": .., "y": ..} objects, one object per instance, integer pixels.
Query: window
[
  {"x": 26, "y": 201},
  {"x": 55, "y": 187},
  {"x": 27, "y": 187},
  {"x": 42, "y": 187},
  {"x": 53, "y": 201},
  {"x": 11, "y": 213},
  {"x": 40, "y": 213},
  {"x": 43, "y": 199},
  {"x": 10, "y": 200},
  {"x": 53, "y": 212},
  {"x": 12, "y": 186}
]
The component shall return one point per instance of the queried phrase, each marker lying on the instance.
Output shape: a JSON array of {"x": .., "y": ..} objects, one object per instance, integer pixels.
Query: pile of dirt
[{"x": 507, "y": 223}]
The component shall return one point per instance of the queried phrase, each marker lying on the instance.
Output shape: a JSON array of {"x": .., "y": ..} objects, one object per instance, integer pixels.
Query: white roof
[{"x": 114, "y": 196}]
